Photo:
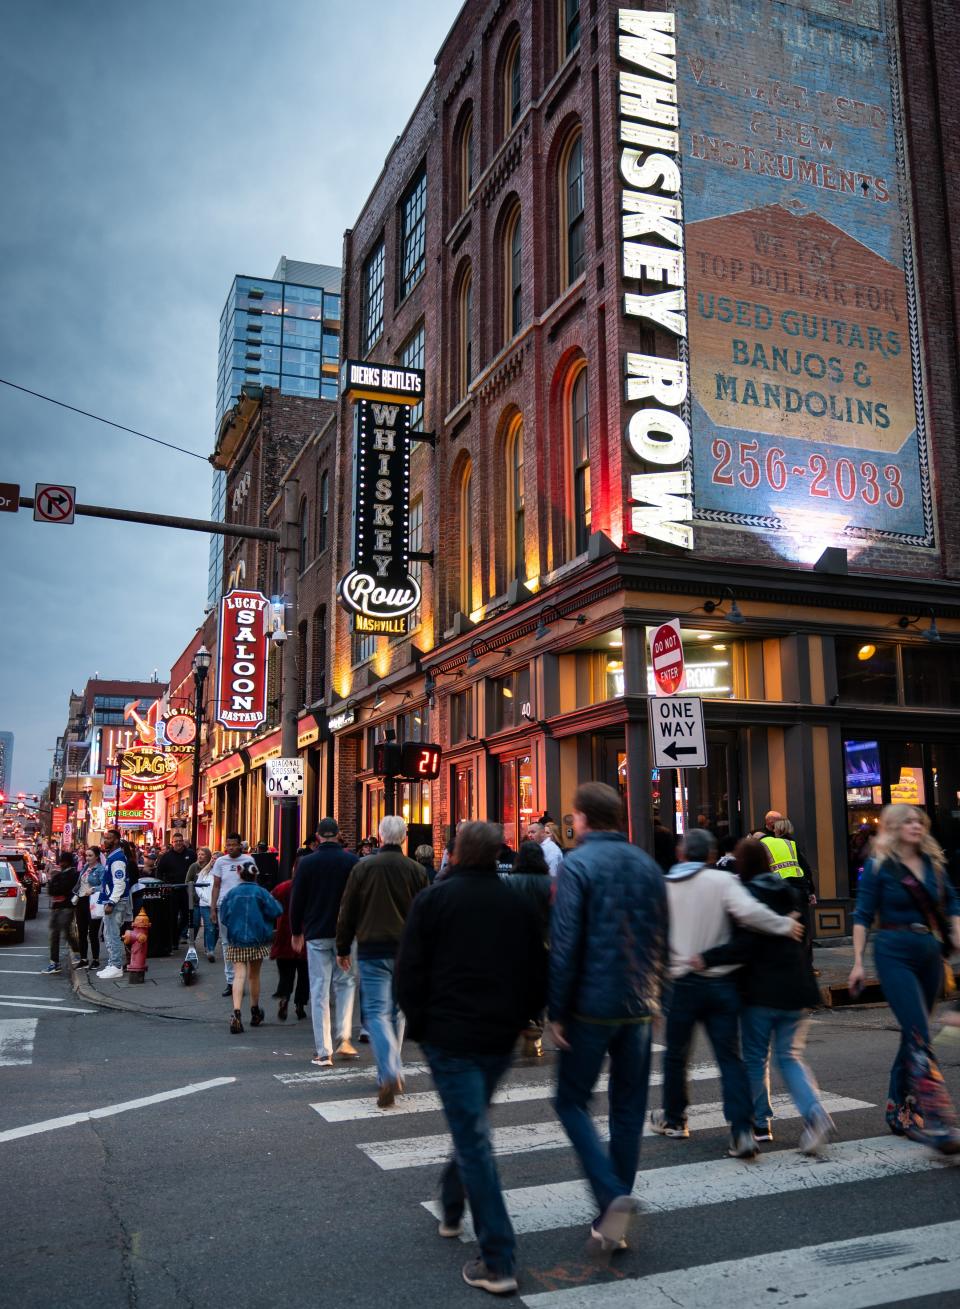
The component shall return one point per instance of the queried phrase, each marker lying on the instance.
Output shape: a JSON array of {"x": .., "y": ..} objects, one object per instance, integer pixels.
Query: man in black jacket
[
  {"x": 172, "y": 868},
  {"x": 268, "y": 866},
  {"x": 471, "y": 969},
  {"x": 318, "y": 887}
]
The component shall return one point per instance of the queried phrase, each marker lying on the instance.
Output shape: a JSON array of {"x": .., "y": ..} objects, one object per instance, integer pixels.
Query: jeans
[
  {"x": 88, "y": 929},
  {"x": 61, "y": 920},
  {"x": 227, "y": 965},
  {"x": 111, "y": 936},
  {"x": 611, "y": 1171},
  {"x": 209, "y": 929},
  {"x": 788, "y": 1031},
  {"x": 290, "y": 970},
  {"x": 910, "y": 969},
  {"x": 383, "y": 1019},
  {"x": 714, "y": 1002},
  {"x": 465, "y": 1084},
  {"x": 326, "y": 973}
]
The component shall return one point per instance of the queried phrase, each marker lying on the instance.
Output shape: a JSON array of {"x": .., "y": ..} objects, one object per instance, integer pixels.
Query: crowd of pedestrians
[{"x": 586, "y": 947}]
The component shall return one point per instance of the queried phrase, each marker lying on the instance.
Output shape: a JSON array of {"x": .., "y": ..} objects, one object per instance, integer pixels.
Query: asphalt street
[{"x": 149, "y": 1161}]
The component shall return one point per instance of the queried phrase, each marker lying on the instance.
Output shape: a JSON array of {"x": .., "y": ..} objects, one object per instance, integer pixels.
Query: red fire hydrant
[{"x": 136, "y": 939}]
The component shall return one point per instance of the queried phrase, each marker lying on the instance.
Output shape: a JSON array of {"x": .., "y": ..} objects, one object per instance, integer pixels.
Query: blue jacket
[
  {"x": 608, "y": 933},
  {"x": 248, "y": 913},
  {"x": 882, "y": 895}
]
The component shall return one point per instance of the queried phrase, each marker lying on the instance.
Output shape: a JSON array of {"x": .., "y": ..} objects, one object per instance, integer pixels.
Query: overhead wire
[{"x": 108, "y": 421}]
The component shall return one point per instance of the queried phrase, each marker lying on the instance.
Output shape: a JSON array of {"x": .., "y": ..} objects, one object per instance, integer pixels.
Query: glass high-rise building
[
  {"x": 6, "y": 762},
  {"x": 283, "y": 332}
]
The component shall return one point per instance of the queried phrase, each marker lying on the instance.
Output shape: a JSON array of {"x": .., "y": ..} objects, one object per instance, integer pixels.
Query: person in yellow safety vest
[{"x": 785, "y": 858}]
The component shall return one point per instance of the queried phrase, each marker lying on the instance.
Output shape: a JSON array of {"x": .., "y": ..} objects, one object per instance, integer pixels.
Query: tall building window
[
  {"x": 416, "y": 565},
  {"x": 411, "y": 356},
  {"x": 466, "y": 540},
  {"x": 572, "y": 253},
  {"x": 465, "y": 161},
  {"x": 511, "y": 85},
  {"x": 304, "y": 551},
  {"x": 465, "y": 334},
  {"x": 516, "y": 559},
  {"x": 324, "y": 536},
  {"x": 413, "y": 233},
  {"x": 302, "y": 664},
  {"x": 371, "y": 326},
  {"x": 569, "y": 26},
  {"x": 318, "y": 661},
  {"x": 513, "y": 276},
  {"x": 364, "y": 647},
  {"x": 579, "y": 424}
]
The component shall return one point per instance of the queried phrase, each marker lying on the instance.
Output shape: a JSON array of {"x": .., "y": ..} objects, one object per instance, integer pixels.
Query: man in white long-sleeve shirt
[{"x": 702, "y": 900}]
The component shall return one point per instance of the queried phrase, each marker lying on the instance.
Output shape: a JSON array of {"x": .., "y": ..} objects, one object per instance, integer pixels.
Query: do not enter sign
[{"x": 666, "y": 658}]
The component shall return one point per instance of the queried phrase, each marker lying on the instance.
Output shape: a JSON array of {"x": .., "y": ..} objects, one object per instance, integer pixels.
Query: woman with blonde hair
[{"x": 905, "y": 894}]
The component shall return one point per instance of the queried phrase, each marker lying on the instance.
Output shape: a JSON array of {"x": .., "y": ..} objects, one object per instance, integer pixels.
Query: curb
[{"x": 85, "y": 991}]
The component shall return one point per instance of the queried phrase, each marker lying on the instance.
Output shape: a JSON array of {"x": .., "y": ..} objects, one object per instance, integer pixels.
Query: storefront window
[
  {"x": 713, "y": 664},
  {"x": 462, "y": 794},
  {"x": 507, "y": 696},
  {"x": 461, "y": 716},
  {"x": 931, "y": 676},
  {"x": 374, "y": 809},
  {"x": 866, "y": 671},
  {"x": 413, "y": 802},
  {"x": 516, "y": 798}
]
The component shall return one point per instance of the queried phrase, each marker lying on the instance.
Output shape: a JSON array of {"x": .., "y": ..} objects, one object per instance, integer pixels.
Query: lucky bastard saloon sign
[
  {"x": 241, "y": 704},
  {"x": 379, "y": 590}
]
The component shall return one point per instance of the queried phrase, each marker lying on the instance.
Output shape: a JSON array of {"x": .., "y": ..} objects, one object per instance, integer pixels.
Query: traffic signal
[
  {"x": 421, "y": 760},
  {"x": 387, "y": 758}
]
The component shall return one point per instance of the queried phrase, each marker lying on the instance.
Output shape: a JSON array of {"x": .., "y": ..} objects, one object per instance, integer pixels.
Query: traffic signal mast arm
[{"x": 169, "y": 520}]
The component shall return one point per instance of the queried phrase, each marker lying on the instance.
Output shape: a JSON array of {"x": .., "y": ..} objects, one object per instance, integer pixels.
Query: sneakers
[
  {"x": 612, "y": 1228},
  {"x": 50, "y": 969},
  {"x": 109, "y": 973},
  {"x": 81, "y": 963},
  {"x": 763, "y": 1133},
  {"x": 816, "y": 1134},
  {"x": 347, "y": 1050},
  {"x": 450, "y": 1226},
  {"x": 322, "y": 1061},
  {"x": 478, "y": 1274},
  {"x": 256, "y": 1015},
  {"x": 236, "y": 1023},
  {"x": 282, "y": 1008},
  {"x": 227, "y": 990},
  {"x": 387, "y": 1095},
  {"x": 743, "y": 1146},
  {"x": 364, "y": 1037},
  {"x": 658, "y": 1121}
]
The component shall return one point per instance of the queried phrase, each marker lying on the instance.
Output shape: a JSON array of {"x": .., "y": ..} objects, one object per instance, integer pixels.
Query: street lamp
[{"x": 201, "y": 665}]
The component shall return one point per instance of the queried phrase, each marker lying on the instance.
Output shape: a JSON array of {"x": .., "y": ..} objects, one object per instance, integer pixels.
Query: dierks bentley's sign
[
  {"x": 379, "y": 590},
  {"x": 242, "y": 662}
]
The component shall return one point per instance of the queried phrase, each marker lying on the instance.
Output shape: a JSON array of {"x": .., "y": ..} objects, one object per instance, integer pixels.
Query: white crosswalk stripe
[
  {"x": 345, "y": 1073},
  {"x": 888, "y": 1268},
  {"x": 719, "y": 1181},
  {"x": 16, "y": 1041},
  {"x": 420, "y": 1102},
  {"x": 419, "y": 1151}
]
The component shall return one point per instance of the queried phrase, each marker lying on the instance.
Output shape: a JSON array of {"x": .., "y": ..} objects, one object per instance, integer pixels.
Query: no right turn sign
[{"x": 54, "y": 504}]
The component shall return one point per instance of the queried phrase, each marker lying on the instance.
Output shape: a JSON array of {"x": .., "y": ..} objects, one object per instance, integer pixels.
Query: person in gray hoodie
[{"x": 702, "y": 899}]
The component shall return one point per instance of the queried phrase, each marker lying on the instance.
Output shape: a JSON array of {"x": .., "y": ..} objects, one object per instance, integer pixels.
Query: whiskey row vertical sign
[{"x": 379, "y": 591}]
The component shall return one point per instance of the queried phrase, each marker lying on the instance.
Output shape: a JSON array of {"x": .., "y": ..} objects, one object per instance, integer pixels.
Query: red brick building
[{"x": 684, "y": 358}]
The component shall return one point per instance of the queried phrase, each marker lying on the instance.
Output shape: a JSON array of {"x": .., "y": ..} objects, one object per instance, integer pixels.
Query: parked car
[
  {"x": 13, "y": 903},
  {"x": 28, "y": 877}
]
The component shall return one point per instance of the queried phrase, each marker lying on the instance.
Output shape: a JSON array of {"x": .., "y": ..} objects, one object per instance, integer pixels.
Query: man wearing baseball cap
[{"x": 314, "y": 905}]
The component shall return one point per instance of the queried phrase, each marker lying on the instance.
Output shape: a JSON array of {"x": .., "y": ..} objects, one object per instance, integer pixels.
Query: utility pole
[{"x": 289, "y": 679}]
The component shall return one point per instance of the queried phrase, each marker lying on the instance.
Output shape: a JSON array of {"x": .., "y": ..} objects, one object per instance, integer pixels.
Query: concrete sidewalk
[{"x": 164, "y": 995}]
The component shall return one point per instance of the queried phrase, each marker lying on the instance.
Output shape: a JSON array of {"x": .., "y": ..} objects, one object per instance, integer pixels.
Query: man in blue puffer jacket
[{"x": 608, "y": 959}]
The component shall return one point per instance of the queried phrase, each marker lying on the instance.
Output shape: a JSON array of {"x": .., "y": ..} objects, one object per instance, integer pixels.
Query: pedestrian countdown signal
[{"x": 417, "y": 761}]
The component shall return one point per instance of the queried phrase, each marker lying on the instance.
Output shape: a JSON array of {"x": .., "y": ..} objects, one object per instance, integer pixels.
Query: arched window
[
  {"x": 572, "y": 253},
  {"x": 465, "y": 334},
  {"x": 511, "y": 85},
  {"x": 464, "y": 160},
  {"x": 324, "y": 511},
  {"x": 466, "y": 540},
  {"x": 516, "y": 555},
  {"x": 304, "y": 554},
  {"x": 569, "y": 26},
  {"x": 512, "y": 276},
  {"x": 578, "y": 424}
]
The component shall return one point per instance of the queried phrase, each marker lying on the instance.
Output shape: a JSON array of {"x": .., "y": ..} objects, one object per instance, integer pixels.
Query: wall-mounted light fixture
[
  {"x": 732, "y": 615},
  {"x": 930, "y": 633},
  {"x": 555, "y": 615}
]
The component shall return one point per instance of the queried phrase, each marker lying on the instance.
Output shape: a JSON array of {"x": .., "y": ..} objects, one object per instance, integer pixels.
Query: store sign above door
[
  {"x": 379, "y": 591},
  {"x": 652, "y": 255},
  {"x": 242, "y": 661}
]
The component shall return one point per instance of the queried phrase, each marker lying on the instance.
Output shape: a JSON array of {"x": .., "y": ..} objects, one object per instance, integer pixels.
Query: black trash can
[{"x": 160, "y": 905}]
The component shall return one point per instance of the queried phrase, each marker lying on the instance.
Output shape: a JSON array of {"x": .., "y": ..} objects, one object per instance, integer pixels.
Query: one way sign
[{"x": 676, "y": 723}]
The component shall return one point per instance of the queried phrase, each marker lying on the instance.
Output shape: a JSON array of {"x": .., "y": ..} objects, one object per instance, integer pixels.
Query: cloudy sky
[{"x": 149, "y": 152}]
